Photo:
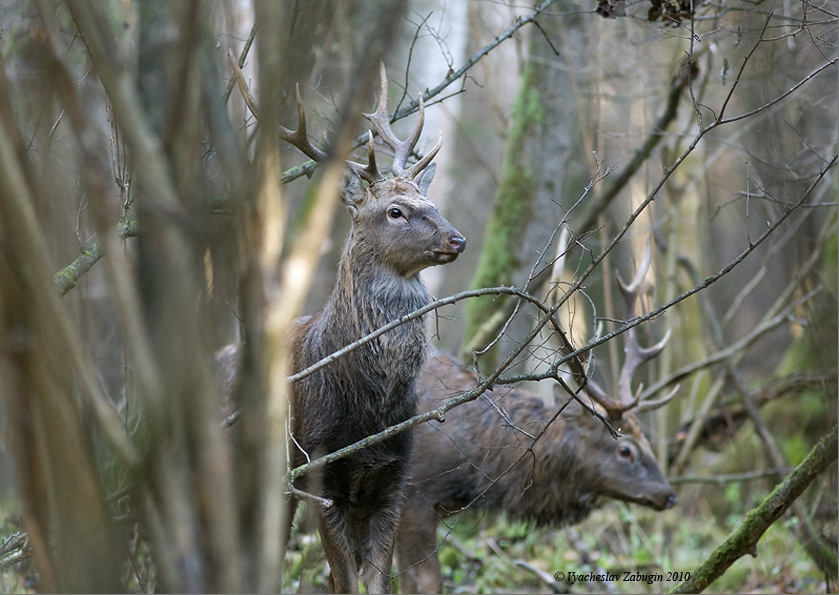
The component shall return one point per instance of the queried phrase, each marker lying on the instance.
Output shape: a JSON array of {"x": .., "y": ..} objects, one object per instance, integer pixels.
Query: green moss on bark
[
  {"x": 513, "y": 211},
  {"x": 758, "y": 520}
]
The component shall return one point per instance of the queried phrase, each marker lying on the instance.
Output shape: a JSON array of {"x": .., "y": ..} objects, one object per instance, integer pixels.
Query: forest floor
[
  {"x": 641, "y": 550},
  {"x": 486, "y": 555}
]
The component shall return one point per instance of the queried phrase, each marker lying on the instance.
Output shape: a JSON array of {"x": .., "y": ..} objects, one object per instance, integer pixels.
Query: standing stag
[
  {"x": 396, "y": 233},
  {"x": 484, "y": 457}
]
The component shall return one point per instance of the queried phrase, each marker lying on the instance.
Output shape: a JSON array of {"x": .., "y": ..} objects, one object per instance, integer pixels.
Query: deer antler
[
  {"x": 636, "y": 355},
  {"x": 369, "y": 172},
  {"x": 401, "y": 149},
  {"x": 297, "y": 138},
  {"x": 300, "y": 138},
  {"x": 380, "y": 119}
]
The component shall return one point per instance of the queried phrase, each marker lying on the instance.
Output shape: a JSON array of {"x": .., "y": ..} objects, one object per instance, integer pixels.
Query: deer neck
[
  {"x": 371, "y": 293},
  {"x": 567, "y": 478},
  {"x": 364, "y": 300}
]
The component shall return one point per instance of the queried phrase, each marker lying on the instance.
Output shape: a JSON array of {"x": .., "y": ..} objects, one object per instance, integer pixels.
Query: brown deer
[
  {"x": 396, "y": 233},
  {"x": 509, "y": 453}
]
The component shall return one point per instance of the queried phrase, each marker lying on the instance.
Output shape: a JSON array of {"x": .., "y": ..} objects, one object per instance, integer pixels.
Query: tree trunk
[{"x": 529, "y": 199}]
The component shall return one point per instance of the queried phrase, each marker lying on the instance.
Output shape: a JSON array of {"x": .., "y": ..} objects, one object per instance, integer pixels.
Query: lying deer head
[{"x": 626, "y": 468}]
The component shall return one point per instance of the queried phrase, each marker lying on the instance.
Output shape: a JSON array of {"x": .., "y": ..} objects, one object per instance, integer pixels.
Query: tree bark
[{"x": 528, "y": 199}]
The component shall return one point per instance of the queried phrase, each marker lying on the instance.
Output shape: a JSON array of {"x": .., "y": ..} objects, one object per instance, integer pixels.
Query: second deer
[{"x": 485, "y": 456}]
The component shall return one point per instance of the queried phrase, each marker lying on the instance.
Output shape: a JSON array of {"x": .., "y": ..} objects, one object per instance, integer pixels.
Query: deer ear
[
  {"x": 425, "y": 178},
  {"x": 353, "y": 191},
  {"x": 577, "y": 411}
]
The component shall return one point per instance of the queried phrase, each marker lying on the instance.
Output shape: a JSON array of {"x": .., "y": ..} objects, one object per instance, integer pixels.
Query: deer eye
[
  {"x": 625, "y": 452},
  {"x": 394, "y": 213}
]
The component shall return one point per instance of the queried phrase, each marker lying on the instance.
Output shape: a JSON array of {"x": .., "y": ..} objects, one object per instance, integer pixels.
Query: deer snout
[
  {"x": 457, "y": 243},
  {"x": 661, "y": 501}
]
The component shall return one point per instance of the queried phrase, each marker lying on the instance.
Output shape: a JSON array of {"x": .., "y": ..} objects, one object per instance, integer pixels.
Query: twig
[
  {"x": 501, "y": 290},
  {"x": 742, "y": 69},
  {"x": 241, "y": 61},
  {"x": 67, "y": 277},
  {"x": 546, "y": 577},
  {"x": 301, "y": 495},
  {"x": 721, "y": 480}
]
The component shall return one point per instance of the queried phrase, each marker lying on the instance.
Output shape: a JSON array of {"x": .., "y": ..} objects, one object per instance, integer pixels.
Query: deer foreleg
[
  {"x": 380, "y": 535},
  {"x": 336, "y": 538}
]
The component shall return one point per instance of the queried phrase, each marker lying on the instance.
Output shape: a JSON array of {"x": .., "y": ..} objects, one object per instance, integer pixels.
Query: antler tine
[
  {"x": 636, "y": 355},
  {"x": 650, "y": 405},
  {"x": 401, "y": 149},
  {"x": 420, "y": 165},
  {"x": 300, "y": 138},
  {"x": 596, "y": 392},
  {"x": 369, "y": 172},
  {"x": 635, "y": 287}
]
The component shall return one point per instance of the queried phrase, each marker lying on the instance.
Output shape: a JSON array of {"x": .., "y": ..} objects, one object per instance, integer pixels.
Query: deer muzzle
[
  {"x": 451, "y": 247},
  {"x": 457, "y": 243}
]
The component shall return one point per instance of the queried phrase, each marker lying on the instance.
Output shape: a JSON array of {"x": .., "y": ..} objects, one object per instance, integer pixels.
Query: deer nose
[
  {"x": 670, "y": 502},
  {"x": 457, "y": 243}
]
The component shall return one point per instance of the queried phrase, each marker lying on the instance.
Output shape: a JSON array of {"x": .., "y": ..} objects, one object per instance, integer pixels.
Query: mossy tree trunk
[
  {"x": 529, "y": 199},
  {"x": 744, "y": 539}
]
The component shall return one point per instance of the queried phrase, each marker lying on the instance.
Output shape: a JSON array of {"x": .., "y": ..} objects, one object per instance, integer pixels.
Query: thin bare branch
[
  {"x": 502, "y": 290},
  {"x": 67, "y": 277},
  {"x": 240, "y": 63}
]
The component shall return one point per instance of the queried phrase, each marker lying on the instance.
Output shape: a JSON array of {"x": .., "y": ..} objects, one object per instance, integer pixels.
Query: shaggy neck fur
[{"x": 371, "y": 387}]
